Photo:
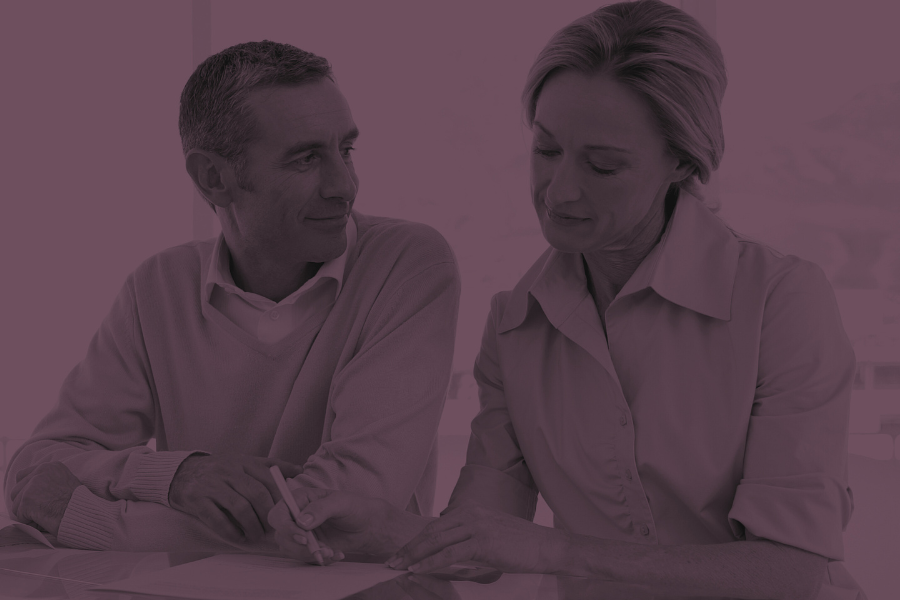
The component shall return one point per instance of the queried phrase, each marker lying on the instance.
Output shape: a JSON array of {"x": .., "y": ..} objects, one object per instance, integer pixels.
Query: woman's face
[{"x": 600, "y": 169}]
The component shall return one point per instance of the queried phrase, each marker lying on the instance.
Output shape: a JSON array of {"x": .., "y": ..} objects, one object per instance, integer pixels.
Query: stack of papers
[{"x": 261, "y": 577}]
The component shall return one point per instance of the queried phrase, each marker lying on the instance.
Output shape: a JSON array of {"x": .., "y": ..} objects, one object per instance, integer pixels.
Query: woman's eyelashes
[{"x": 551, "y": 153}]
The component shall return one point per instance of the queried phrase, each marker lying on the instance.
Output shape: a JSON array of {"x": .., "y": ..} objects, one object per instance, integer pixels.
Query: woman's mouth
[{"x": 563, "y": 218}]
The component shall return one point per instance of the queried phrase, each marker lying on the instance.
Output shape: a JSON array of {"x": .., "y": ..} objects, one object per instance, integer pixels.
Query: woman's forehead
[{"x": 594, "y": 109}]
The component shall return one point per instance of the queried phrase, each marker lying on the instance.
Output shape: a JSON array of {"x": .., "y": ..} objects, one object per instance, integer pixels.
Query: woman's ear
[
  {"x": 684, "y": 170},
  {"x": 211, "y": 175}
]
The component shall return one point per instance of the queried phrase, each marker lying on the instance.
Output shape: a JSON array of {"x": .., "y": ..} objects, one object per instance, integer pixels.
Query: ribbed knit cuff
[
  {"x": 154, "y": 475},
  {"x": 89, "y": 521}
]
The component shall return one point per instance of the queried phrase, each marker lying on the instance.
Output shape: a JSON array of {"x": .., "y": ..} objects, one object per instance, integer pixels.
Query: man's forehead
[{"x": 309, "y": 103}]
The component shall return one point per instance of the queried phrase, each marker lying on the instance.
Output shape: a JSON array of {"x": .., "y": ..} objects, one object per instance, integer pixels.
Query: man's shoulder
[
  {"x": 185, "y": 261},
  {"x": 387, "y": 238}
]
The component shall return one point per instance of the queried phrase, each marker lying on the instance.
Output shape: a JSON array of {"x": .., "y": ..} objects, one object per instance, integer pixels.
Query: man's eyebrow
[
  {"x": 302, "y": 147},
  {"x": 587, "y": 146}
]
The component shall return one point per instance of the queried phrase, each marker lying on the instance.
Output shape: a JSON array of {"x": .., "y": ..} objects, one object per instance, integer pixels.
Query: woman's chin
[{"x": 560, "y": 241}]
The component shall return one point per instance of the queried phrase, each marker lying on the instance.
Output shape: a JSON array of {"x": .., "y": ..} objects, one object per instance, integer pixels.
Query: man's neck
[{"x": 275, "y": 282}]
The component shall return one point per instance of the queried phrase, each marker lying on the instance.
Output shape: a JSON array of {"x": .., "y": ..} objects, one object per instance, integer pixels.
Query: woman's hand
[
  {"x": 344, "y": 521},
  {"x": 475, "y": 533}
]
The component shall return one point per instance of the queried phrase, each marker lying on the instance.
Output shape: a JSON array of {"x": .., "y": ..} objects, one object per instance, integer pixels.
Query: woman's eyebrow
[{"x": 587, "y": 146}]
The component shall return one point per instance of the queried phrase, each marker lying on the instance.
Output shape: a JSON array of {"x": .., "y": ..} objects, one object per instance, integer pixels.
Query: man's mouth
[{"x": 331, "y": 218}]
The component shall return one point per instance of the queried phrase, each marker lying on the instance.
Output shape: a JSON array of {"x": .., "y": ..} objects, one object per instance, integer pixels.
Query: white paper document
[
  {"x": 261, "y": 577},
  {"x": 21, "y": 529}
]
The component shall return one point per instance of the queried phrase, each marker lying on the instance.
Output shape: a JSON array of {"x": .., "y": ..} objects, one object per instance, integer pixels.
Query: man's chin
[{"x": 325, "y": 248}]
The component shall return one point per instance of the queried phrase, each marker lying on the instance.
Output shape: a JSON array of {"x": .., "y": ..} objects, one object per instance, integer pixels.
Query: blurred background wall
[{"x": 93, "y": 179}]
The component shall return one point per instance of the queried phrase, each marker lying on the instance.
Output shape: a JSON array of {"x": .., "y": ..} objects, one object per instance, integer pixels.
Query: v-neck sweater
[{"x": 355, "y": 395}]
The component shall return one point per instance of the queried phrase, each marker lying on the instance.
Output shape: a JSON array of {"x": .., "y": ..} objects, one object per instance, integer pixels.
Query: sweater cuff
[
  {"x": 155, "y": 473},
  {"x": 89, "y": 521}
]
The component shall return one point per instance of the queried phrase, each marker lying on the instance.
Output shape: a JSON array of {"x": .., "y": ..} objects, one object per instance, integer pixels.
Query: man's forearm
[{"x": 746, "y": 569}]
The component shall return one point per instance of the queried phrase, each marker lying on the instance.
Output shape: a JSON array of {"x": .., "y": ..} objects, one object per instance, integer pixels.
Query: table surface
[{"x": 35, "y": 571}]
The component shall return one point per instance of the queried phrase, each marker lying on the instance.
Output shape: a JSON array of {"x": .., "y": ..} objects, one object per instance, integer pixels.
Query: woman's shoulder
[{"x": 778, "y": 275}]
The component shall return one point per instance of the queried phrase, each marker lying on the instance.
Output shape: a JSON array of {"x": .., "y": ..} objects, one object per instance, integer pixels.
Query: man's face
[{"x": 300, "y": 175}]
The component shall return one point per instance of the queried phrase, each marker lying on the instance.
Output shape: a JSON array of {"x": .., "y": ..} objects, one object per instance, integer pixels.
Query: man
[{"x": 307, "y": 336}]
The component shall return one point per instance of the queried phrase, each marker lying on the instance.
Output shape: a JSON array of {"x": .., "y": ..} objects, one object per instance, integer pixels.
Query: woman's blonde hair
[{"x": 664, "y": 55}]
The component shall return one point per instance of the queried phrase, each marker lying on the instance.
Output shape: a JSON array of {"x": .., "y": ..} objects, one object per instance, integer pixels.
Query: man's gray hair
[{"x": 214, "y": 115}]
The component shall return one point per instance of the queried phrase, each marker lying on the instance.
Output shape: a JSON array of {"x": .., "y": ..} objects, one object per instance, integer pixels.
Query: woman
[{"x": 677, "y": 393}]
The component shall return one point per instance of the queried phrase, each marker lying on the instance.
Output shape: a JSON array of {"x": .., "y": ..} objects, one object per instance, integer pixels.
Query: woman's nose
[{"x": 563, "y": 187}]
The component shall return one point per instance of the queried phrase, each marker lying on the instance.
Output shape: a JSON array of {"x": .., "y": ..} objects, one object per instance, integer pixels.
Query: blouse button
[
  {"x": 645, "y": 530},
  {"x": 623, "y": 420}
]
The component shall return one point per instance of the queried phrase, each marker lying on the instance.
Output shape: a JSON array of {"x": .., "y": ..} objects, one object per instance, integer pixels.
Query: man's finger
[
  {"x": 261, "y": 474},
  {"x": 25, "y": 472},
  {"x": 243, "y": 514},
  {"x": 217, "y": 520},
  {"x": 258, "y": 497}
]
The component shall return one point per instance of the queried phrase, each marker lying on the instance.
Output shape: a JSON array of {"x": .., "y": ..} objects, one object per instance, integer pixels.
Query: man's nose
[{"x": 338, "y": 181}]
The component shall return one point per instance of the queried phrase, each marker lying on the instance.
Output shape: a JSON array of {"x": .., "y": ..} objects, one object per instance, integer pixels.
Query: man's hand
[
  {"x": 42, "y": 493},
  {"x": 344, "y": 521},
  {"x": 231, "y": 494}
]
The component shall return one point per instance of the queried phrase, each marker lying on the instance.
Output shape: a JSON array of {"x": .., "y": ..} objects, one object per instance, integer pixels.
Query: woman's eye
[
  {"x": 346, "y": 151},
  {"x": 603, "y": 171},
  {"x": 545, "y": 152}
]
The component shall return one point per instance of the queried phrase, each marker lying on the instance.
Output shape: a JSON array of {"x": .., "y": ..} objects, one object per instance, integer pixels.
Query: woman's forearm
[
  {"x": 403, "y": 526},
  {"x": 746, "y": 569}
]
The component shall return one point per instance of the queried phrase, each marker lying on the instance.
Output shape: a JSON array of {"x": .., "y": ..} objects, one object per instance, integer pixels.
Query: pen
[{"x": 311, "y": 542}]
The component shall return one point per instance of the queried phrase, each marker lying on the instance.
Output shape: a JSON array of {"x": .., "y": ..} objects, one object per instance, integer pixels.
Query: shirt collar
[
  {"x": 693, "y": 266},
  {"x": 219, "y": 272}
]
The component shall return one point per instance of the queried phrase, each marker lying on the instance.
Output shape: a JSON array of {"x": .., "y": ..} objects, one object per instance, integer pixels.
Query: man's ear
[{"x": 213, "y": 176}]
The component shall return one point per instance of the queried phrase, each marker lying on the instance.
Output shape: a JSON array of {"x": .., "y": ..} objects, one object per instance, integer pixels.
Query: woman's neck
[{"x": 607, "y": 272}]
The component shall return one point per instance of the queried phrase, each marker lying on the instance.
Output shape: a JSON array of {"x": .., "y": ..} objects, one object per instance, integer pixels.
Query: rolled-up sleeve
[
  {"x": 495, "y": 473},
  {"x": 794, "y": 488}
]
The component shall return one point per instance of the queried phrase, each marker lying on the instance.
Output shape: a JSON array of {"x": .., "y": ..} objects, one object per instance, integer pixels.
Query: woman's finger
[
  {"x": 333, "y": 505},
  {"x": 427, "y": 544},
  {"x": 448, "y": 556},
  {"x": 304, "y": 495},
  {"x": 280, "y": 519},
  {"x": 287, "y": 469}
]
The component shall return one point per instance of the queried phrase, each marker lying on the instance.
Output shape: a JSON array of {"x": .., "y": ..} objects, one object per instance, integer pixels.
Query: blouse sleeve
[
  {"x": 495, "y": 473},
  {"x": 794, "y": 488}
]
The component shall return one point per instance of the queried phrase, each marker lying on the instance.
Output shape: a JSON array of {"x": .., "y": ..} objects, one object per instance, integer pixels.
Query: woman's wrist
[
  {"x": 559, "y": 554},
  {"x": 404, "y": 527},
  {"x": 583, "y": 556}
]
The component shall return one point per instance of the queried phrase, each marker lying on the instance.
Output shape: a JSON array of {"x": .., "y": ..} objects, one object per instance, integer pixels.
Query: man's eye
[{"x": 307, "y": 159}]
